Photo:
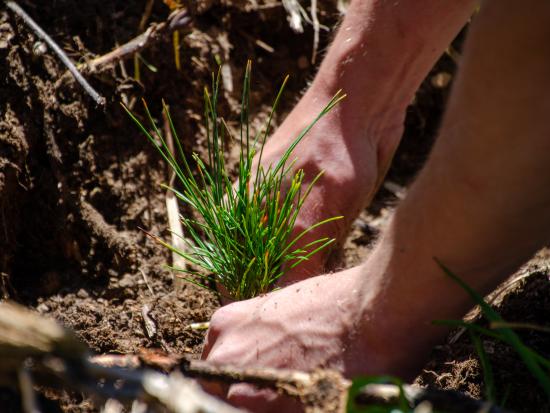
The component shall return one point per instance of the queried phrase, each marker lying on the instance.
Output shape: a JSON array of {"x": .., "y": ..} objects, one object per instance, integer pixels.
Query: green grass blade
[
  {"x": 509, "y": 335},
  {"x": 486, "y": 367}
]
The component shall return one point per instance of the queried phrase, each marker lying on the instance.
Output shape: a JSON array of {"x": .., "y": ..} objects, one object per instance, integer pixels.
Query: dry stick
[
  {"x": 258, "y": 42},
  {"x": 13, "y": 6},
  {"x": 28, "y": 395},
  {"x": 146, "y": 14},
  {"x": 182, "y": 395},
  {"x": 291, "y": 380},
  {"x": 315, "y": 22},
  {"x": 292, "y": 7},
  {"x": 262, "y": 376},
  {"x": 60, "y": 360},
  {"x": 319, "y": 391},
  {"x": 296, "y": 383},
  {"x": 153, "y": 34},
  {"x": 172, "y": 208}
]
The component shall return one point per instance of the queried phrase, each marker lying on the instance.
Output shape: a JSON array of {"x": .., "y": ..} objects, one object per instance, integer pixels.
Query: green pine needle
[{"x": 243, "y": 236}]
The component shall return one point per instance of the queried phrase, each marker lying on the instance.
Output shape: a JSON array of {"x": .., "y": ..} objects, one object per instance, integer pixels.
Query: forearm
[
  {"x": 481, "y": 205},
  {"x": 382, "y": 52},
  {"x": 379, "y": 56}
]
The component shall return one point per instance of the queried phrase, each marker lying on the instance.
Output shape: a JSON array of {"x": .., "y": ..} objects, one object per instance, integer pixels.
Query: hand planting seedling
[{"x": 242, "y": 239}]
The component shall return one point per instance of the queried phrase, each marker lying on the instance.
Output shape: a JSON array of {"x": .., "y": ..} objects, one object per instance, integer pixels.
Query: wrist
[
  {"x": 355, "y": 119},
  {"x": 385, "y": 339}
]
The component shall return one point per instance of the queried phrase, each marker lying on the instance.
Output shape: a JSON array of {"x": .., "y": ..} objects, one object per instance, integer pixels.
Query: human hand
[
  {"x": 353, "y": 158},
  {"x": 329, "y": 321}
]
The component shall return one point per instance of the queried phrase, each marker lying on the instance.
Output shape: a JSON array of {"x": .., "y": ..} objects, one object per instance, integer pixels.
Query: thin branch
[
  {"x": 153, "y": 34},
  {"x": 60, "y": 361},
  {"x": 172, "y": 209},
  {"x": 315, "y": 22},
  {"x": 14, "y": 7},
  {"x": 316, "y": 390},
  {"x": 294, "y": 16},
  {"x": 146, "y": 14}
]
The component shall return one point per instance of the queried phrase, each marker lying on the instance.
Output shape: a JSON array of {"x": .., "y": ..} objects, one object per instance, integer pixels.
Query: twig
[
  {"x": 260, "y": 376},
  {"x": 149, "y": 323},
  {"x": 268, "y": 6},
  {"x": 205, "y": 325},
  {"x": 258, "y": 42},
  {"x": 13, "y": 6},
  {"x": 294, "y": 16},
  {"x": 153, "y": 34},
  {"x": 146, "y": 280},
  {"x": 326, "y": 383},
  {"x": 172, "y": 209},
  {"x": 146, "y": 14},
  {"x": 315, "y": 22},
  {"x": 28, "y": 395},
  {"x": 316, "y": 390},
  {"x": 182, "y": 395},
  {"x": 59, "y": 360}
]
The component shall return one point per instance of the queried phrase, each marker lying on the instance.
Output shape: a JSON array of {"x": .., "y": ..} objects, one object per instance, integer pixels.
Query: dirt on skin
[{"x": 77, "y": 183}]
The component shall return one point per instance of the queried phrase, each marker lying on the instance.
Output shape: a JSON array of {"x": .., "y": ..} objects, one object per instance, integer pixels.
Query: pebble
[
  {"x": 42, "y": 308},
  {"x": 82, "y": 293}
]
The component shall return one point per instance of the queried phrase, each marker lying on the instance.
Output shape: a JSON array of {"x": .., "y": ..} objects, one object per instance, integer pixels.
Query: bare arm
[
  {"x": 481, "y": 205},
  {"x": 380, "y": 55}
]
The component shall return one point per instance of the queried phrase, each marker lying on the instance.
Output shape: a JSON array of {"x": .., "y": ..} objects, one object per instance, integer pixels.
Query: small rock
[
  {"x": 82, "y": 293},
  {"x": 42, "y": 308},
  {"x": 39, "y": 48},
  {"x": 441, "y": 80},
  {"x": 126, "y": 281}
]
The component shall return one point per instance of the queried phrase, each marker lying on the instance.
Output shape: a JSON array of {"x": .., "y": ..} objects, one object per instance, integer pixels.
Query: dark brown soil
[
  {"x": 525, "y": 298},
  {"x": 77, "y": 183}
]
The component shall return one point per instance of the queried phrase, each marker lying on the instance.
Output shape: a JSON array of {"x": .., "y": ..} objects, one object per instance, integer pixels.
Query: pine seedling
[{"x": 242, "y": 236}]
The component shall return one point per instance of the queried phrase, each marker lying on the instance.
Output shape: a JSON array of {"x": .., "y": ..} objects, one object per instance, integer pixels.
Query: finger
[{"x": 254, "y": 399}]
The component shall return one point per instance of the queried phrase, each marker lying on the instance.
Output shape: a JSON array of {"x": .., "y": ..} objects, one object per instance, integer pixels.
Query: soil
[{"x": 78, "y": 183}]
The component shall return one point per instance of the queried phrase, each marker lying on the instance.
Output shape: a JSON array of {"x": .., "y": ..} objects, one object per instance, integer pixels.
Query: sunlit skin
[
  {"x": 481, "y": 204},
  {"x": 379, "y": 57}
]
